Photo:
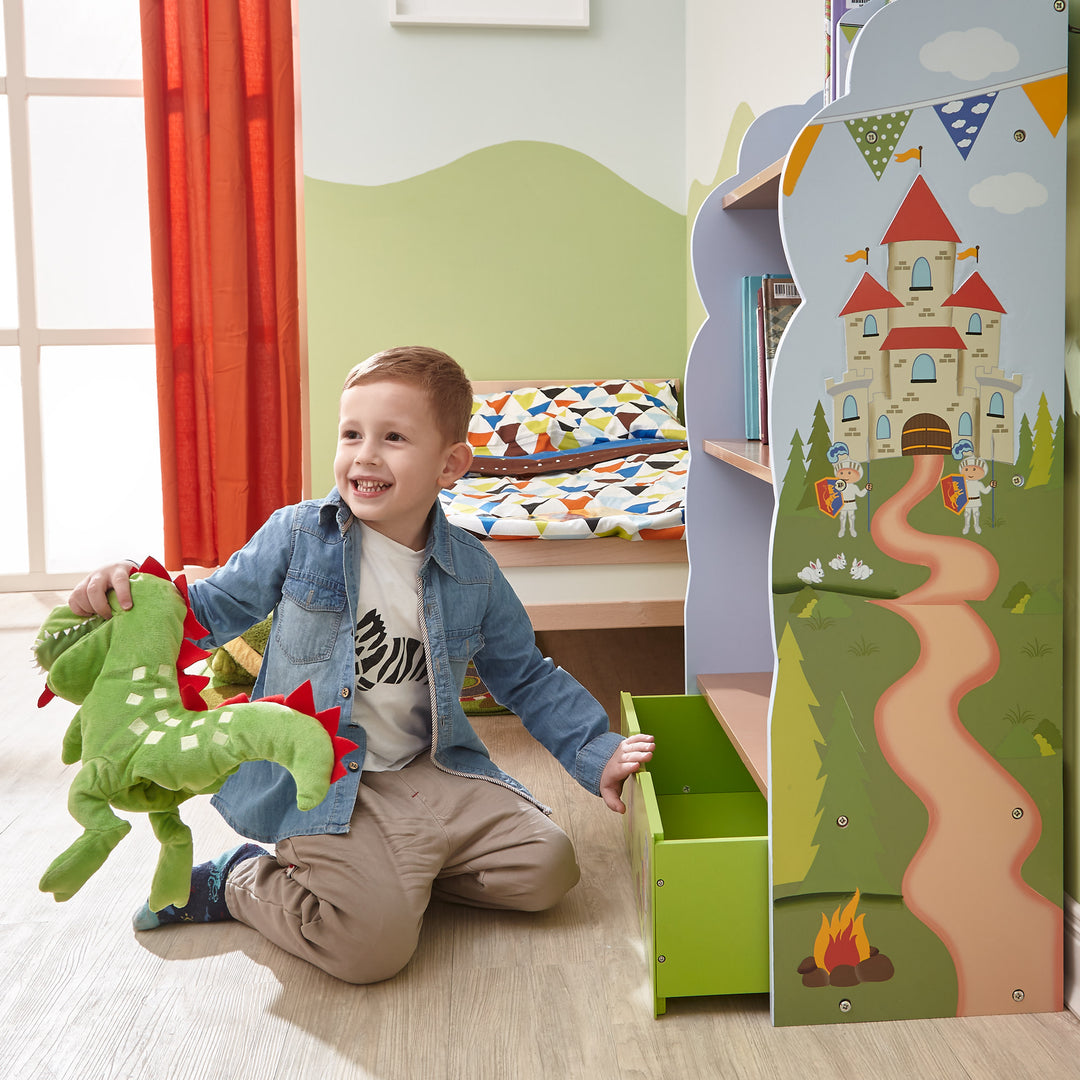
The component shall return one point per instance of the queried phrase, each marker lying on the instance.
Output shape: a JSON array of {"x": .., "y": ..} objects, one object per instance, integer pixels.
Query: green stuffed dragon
[{"x": 147, "y": 740}]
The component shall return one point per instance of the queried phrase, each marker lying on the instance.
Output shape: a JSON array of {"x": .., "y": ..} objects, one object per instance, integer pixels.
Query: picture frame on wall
[{"x": 522, "y": 14}]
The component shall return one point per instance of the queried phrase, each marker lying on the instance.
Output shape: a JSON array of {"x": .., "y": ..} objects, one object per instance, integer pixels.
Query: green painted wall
[{"x": 521, "y": 259}]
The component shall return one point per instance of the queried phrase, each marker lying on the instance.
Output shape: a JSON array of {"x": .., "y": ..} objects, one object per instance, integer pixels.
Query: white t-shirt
[{"x": 392, "y": 700}]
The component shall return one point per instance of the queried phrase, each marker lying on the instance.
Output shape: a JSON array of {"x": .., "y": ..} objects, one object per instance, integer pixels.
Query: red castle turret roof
[
  {"x": 920, "y": 218},
  {"x": 974, "y": 293},
  {"x": 869, "y": 295},
  {"x": 923, "y": 337}
]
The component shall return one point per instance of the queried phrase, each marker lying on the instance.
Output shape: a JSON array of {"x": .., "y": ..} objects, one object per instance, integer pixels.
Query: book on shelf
[
  {"x": 751, "y": 351},
  {"x": 778, "y": 299}
]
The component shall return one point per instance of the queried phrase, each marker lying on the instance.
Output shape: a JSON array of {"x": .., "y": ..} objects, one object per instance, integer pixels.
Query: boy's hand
[
  {"x": 624, "y": 762},
  {"x": 91, "y": 595}
]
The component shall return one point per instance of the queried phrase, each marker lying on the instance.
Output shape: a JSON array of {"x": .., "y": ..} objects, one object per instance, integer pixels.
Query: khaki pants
[{"x": 352, "y": 903}]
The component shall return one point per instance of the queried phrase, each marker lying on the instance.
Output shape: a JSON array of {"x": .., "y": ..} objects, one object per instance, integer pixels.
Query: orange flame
[{"x": 843, "y": 940}]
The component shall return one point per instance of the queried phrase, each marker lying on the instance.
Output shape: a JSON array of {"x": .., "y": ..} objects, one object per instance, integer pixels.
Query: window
[
  {"x": 851, "y": 408},
  {"x": 884, "y": 428},
  {"x": 920, "y": 275},
  {"x": 997, "y": 405},
  {"x": 869, "y": 328},
  {"x": 78, "y": 401},
  {"x": 964, "y": 429},
  {"x": 923, "y": 369},
  {"x": 975, "y": 323}
]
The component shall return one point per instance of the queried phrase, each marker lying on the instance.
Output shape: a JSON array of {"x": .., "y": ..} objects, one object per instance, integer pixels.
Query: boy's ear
[{"x": 458, "y": 459}]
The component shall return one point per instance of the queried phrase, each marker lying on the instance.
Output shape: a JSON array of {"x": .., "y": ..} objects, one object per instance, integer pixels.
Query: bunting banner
[
  {"x": 877, "y": 136},
  {"x": 963, "y": 119},
  {"x": 1049, "y": 96}
]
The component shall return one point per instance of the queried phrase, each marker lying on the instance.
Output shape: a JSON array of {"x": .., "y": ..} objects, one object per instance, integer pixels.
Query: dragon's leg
[
  {"x": 71, "y": 748},
  {"x": 89, "y": 806},
  {"x": 172, "y": 877}
]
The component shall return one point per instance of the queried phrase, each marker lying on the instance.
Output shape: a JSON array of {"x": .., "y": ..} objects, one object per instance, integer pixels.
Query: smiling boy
[{"x": 381, "y": 604}]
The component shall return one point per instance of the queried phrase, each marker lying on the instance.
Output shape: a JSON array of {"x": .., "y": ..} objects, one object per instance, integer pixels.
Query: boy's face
[{"x": 392, "y": 458}]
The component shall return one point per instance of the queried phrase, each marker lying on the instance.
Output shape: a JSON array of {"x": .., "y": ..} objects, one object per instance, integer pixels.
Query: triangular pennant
[
  {"x": 1050, "y": 101},
  {"x": 877, "y": 136},
  {"x": 963, "y": 119}
]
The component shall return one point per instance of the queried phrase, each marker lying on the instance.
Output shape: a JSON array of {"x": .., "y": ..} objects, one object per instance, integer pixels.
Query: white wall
[{"x": 384, "y": 103}]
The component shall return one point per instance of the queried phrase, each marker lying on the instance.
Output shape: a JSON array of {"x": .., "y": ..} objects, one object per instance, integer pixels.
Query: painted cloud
[
  {"x": 970, "y": 54},
  {"x": 1008, "y": 194}
]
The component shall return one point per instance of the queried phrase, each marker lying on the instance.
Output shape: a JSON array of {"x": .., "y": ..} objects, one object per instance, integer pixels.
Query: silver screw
[
  {"x": 845, "y": 1005},
  {"x": 1018, "y": 995},
  {"x": 1018, "y": 813},
  {"x": 842, "y": 821},
  {"x": 660, "y": 883},
  {"x": 661, "y": 958}
]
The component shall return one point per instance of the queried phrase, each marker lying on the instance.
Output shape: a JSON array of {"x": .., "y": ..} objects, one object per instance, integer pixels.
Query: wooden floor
[{"x": 562, "y": 994}]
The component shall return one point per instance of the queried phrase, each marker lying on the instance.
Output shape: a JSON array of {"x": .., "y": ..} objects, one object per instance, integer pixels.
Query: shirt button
[
  {"x": 344, "y": 691},
  {"x": 353, "y": 766}
]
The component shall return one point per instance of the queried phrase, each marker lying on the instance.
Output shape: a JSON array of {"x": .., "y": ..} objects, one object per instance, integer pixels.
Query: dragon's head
[{"x": 72, "y": 649}]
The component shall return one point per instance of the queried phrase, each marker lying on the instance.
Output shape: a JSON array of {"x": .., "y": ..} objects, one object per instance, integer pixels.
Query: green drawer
[{"x": 697, "y": 836}]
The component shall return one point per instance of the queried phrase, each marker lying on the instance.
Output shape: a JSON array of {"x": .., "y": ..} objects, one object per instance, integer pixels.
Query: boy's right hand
[{"x": 91, "y": 595}]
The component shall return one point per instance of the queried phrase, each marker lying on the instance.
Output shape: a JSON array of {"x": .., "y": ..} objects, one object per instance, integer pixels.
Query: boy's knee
[
  {"x": 553, "y": 876},
  {"x": 366, "y": 962}
]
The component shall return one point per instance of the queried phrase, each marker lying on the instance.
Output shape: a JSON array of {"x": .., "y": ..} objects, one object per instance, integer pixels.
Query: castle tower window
[
  {"x": 965, "y": 428},
  {"x": 884, "y": 428},
  {"x": 997, "y": 405},
  {"x": 851, "y": 408},
  {"x": 975, "y": 323},
  {"x": 920, "y": 275},
  {"x": 869, "y": 328},
  {"x": 924, "y": 369}
]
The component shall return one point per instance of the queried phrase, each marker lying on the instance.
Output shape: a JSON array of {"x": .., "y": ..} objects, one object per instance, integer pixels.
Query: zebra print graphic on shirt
[{"x": 383, "y": 659}]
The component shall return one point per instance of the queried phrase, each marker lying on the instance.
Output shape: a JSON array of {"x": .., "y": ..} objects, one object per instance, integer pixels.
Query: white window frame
[{"x": 17, "y": 88}]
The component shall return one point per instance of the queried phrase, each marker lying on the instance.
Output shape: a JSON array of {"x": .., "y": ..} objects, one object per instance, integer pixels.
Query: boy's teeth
[{"x": 369, "y": 485}]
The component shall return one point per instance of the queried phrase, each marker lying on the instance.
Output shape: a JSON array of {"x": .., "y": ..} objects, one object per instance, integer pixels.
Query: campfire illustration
[{"x": 843, "y": 955}]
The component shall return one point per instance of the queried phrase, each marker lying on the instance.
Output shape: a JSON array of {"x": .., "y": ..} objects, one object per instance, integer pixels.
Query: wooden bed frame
[{"x": 602, "y": 583}]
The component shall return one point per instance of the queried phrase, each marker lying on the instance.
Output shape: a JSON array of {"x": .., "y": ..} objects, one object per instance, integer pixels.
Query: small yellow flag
[
  {"x": 966, "y": 254},
  {"x": 855, "y": 256},
  {"x": 907, "y": 155}
]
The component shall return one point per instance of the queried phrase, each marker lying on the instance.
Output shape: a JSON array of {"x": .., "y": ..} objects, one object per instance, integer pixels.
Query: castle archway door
[{"x": 926, "y": 434}]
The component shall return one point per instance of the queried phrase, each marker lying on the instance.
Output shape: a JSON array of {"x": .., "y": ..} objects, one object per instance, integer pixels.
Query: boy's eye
[
  {"x": 349, "y": 436},
  {"x": 393, "y": 436}
]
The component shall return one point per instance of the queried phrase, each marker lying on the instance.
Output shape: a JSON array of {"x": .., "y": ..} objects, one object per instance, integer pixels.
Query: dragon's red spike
[
  {"x": 46, "y": 696},
  {"x": 193, "y": 628},
  {"x": 191, "y": 698},
  {"x": 302, "y": 699},
  {"x": 150, "y": 565},
  {"x": 277, "y": 699},
  {"x": 329, "y": 719},
  {"x": 341, "y": 748},
  {"x": 189, "y": 654},
  {"x": 238, "y": 699}
]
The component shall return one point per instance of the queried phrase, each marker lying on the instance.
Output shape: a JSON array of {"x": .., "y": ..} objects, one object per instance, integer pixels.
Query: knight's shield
[
  {"x": 954, "y": 492},
  {"x": 829, "y": 499}
]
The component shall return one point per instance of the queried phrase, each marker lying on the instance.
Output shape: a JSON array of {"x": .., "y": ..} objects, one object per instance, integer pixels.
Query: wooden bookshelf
[
  {"x": 750, "y": 456},
  {"x": 760, "y": 192},
  {"x": 741, "y": 704}
]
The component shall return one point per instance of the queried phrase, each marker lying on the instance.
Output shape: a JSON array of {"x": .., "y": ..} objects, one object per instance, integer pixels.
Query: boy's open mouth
[{"x": 369, "y": 487}]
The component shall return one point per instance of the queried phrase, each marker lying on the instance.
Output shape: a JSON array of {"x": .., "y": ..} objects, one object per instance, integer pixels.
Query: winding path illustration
[{"x": 964, "y": 882}]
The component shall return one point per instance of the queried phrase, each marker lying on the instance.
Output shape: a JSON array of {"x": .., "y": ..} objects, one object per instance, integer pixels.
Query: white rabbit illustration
[
  {"x": 860, "y": 571},
  {"x": 838, "y": 562},
  {"x": 811, "y": 574}
]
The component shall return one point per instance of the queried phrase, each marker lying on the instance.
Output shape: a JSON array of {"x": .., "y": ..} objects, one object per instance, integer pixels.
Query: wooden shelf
[
  {"x": 760, "y": 192},
  {"x": 741, "y": 704},
  {"x": 750, "y": 456}
]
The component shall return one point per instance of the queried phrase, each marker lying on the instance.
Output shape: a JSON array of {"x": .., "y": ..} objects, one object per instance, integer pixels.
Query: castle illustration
[{"x": 922, "y": 355}]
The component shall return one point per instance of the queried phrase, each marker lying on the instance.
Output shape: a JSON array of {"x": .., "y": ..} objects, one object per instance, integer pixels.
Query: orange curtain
[{"x": 220, "y": 131}]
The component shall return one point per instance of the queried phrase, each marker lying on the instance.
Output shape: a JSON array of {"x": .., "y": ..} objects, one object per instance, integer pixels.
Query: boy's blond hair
[{"x": 440, "y": 375}]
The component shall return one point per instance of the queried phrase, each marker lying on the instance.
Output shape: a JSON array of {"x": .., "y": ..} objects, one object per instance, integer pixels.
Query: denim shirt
[{"x": 301, "y": 566}]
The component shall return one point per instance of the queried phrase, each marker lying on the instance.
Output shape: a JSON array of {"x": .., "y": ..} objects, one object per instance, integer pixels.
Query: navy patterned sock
[{"x": 207, "y": 900}]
